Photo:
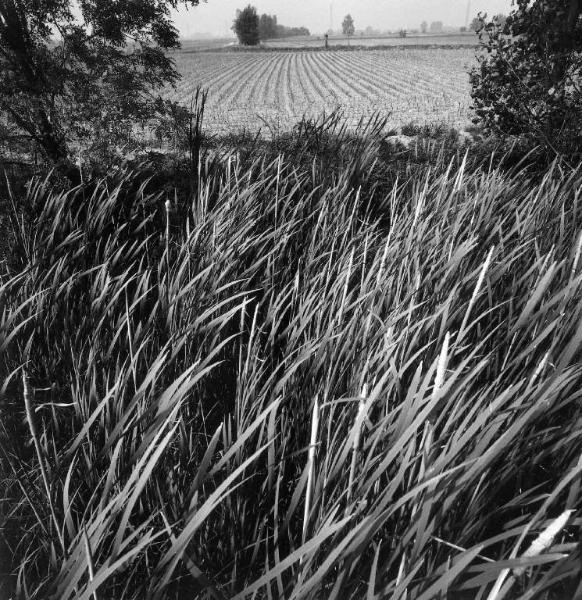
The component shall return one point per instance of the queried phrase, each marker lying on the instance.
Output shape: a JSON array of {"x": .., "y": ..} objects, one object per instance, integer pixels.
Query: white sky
[{"x": 216, "y": 16}]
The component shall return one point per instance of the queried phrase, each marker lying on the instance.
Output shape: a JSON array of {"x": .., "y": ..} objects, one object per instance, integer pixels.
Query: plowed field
[{"x": 273, "y": 90}]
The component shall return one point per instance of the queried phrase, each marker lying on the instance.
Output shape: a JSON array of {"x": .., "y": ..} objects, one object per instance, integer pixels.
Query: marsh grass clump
[{"x": 315, "y": 385}]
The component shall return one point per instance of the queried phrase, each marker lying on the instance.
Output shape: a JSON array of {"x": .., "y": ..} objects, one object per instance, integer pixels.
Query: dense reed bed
[{"x": 303, "y": 382}]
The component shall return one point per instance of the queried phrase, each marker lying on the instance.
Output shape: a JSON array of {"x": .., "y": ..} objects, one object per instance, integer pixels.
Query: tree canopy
[
  {"x": 529, "y": 79},
  {"x": 348, "y": 25},
  {"x": 246, "y": 26},
  {"x": 270, "y": 29},
  {"x": 71, "y": 67}
]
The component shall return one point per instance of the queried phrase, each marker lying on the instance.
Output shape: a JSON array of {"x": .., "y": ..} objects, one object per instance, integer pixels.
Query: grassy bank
[{"x": 329, "y": 375}]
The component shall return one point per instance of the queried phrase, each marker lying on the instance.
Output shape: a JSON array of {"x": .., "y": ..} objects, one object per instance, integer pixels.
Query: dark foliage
[
  {"x": 529, "y": 78},
  {"x": 270, "y": 29},
  {"x": 70, "y": 75},
  {"x": 267, "y": 26},
  {"x": 246, "y": 26}
]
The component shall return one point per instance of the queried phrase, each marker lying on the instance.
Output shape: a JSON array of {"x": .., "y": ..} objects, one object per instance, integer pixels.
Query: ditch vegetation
[{"x": 319, "y": 367}]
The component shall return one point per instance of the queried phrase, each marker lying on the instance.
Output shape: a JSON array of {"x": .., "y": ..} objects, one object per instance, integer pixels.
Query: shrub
[{"x": 529, "y": 78}]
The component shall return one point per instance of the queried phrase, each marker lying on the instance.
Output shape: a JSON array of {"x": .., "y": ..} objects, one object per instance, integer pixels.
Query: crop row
[{"x": 248, "y": 89}]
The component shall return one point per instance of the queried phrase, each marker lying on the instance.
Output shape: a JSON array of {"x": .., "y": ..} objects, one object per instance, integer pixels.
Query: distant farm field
[
  {"x": 273, "y": 90},
  {"x": 313, "y": 41}
]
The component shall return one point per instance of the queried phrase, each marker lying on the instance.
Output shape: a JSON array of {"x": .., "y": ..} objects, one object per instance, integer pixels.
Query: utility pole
[
  {"x": 331, "y": 16},
  {"x": 468, "y": 14}
]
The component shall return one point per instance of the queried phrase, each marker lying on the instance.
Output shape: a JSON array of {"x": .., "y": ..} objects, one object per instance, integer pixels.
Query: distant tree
[
  {"x": 283, "y": 31},
  {"x": 424, "y": 27},
  {"x": 267, "y": 27},
  {"x": 71, "y": 67},
  {"x": 270, "y": 29},
  {"x": 402, "y": 33},
  {"x": 436, "y": 27},
  {"x": 246, "y": 26},
  {"x": 463, "y": 29},
  {"x": 348, "y": 26}
]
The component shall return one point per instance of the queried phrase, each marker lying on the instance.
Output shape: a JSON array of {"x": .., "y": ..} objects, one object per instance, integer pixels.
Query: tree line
[{"x": 250, "y": 28}]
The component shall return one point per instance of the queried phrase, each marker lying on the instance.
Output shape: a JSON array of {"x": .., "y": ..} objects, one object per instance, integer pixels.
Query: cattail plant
[
  {"x": 543, "y": 541},
  {"x": 172, "y": 397}
]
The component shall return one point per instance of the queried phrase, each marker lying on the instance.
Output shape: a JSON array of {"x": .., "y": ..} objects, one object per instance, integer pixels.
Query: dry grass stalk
[
  {"x": 89, "y": 556},
  {"x": 401, "y": 575},
  {"x": 540, "y": 367},
  {"x": 475, "y": 292},
  {"x": 310, "y": 467},
  {"x": 576, "y": 256},
  {"x": 168, "y": 207},
  {"x": 441, "y": 369},
  {"x": 29, "y": 409},
  {"x": 358, "y": 423}
]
